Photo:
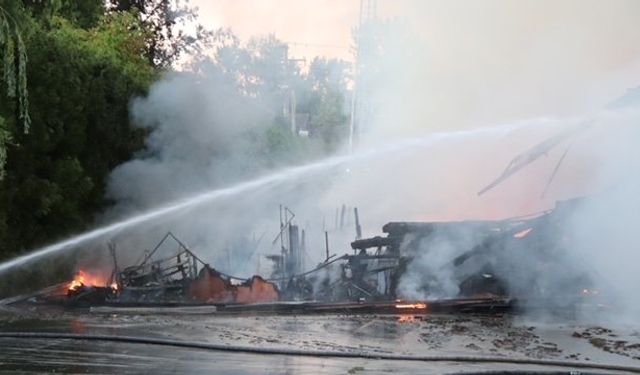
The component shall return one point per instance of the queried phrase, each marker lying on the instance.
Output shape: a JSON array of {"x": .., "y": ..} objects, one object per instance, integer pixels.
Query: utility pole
[
  {"x": 290, "y": 97},
  {"x": 359, "y": 101}
]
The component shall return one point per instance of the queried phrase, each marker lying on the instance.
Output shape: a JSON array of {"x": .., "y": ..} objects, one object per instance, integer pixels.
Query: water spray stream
[{"x": 209, "y": 196}]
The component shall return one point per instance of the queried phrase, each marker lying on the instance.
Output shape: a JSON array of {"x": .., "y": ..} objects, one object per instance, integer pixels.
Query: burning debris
[
  {"x": 484, "y": 267},
  {"x": 212, "y": 287},
  {"x": 411, "y": 306},
  {"x": 411, "y": 267},
  {"x": 180, "y": 278},
  {"x": 83, "y": 280},
  {"x": 90, "y": 288}
]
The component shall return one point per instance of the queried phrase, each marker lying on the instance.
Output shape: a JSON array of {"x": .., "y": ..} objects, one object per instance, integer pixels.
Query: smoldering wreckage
[{"x": 484, "y": 271}]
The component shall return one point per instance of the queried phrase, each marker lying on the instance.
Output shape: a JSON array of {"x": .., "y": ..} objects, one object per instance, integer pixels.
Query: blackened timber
[
  {"x": 377, "y": 241},
  {"x": 358, "y": 227},
  {"x": 402, "y": 228},
  {"x": 371, "y": 257}
]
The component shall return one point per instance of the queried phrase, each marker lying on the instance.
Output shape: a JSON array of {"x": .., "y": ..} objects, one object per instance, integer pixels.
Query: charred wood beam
[
  {"x": 422, "y": 228},
  {"x": 372, "y": 257},
  {"x": 377, "y": 241}
]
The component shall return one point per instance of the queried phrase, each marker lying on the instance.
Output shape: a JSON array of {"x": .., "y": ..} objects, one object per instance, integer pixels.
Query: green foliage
[
  {"x": 263, "y": 70},
  {"x": 165, "y": 21},
  {"x": 326, "y": 104},
  {"x": 84, "y": 14},
  {"x": 280, "y": 146},
  {"x": 81, "y": 81},
  {"x": 328, "y": 118},
  {"x": 5, "y": 137},
  {"x": 14, "y": 62}
]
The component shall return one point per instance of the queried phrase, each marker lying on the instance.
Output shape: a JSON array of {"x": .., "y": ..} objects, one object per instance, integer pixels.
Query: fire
[
  {"x": 412, "y": 306},
  {"x": 76, "y": 284},
  {"x": 83, "y": 278}
]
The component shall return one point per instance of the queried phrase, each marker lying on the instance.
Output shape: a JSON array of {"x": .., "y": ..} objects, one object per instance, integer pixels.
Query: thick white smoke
[
  {"x": 199, "y": 128},
  {"x": 598, "y": 242},
  {"x": 510, "y": 75},
  {"x": 457, "y": 64}
]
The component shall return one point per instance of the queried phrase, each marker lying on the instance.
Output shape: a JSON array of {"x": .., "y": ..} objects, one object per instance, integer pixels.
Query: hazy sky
[
  {"x": 483, "y": 61},
  {"x": 321, "y": 27}
]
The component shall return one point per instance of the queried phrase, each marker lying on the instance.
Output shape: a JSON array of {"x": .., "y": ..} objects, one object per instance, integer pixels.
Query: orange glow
[
  {"x": 83, "y": 278},
  {"x": 75, "y": 284},
  {"x": 412, "y": 306}
]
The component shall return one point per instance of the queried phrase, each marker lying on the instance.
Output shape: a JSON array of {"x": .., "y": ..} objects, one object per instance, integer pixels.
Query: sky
[
  {"x": 475, "y": 62},
  {"x": 321, "y": 27}
]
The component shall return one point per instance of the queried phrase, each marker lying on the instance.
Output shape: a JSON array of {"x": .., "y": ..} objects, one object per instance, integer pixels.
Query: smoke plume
[{"x": 479, "y": 84}]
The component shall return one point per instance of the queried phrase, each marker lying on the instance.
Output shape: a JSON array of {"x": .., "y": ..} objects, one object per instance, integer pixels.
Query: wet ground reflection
[{"x": 409, "y": 334}]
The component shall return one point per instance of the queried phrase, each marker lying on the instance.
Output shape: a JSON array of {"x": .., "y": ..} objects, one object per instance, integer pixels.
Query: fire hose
[{"x": 313, "y": 353}]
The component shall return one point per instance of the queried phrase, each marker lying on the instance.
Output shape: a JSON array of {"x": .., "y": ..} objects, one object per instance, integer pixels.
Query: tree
[
  {"x": 14, "y": 60},
  {"x": 84, "y": 14},
  {"x": 328, "y": 118},
  {"x": 14, "y": 73},
  {"x": 328, "y": 74},
  {"x": 81, "y": 81},
  {"x": 166, "y": 21},
  {"x": 328, "y": 78}
]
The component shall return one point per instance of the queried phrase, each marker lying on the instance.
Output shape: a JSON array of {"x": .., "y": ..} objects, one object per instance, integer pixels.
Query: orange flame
[
  {"x": 83, "y": 278},
  {"x": 412, "y": 306}
]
